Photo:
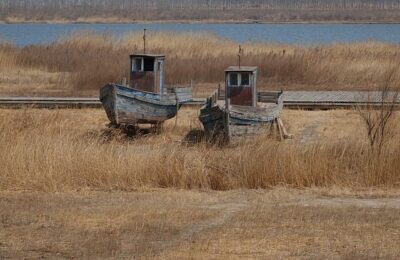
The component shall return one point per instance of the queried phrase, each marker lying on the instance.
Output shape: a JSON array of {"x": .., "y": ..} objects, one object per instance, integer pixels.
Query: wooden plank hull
[
  {"x": 213, "y": 120},
  {"x": 124, "y": 105},
  {"x": 243, "y": 120}
]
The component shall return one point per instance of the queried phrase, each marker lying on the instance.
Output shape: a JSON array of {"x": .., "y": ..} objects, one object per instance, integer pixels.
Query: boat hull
[
  {"x": 128, "y": 106},
  {"x": 243, "y": 120},
  {"x": 213, "y": 120},
  {"x": 214, "y": 123}
]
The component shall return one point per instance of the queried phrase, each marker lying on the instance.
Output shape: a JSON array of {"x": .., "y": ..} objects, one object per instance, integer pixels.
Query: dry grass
[
  {"x": 85, "y": 61},
  {"x": 176, "y": 224},
  {"x": 64, "y": 177},
  {"x": 59, "y": 150}
]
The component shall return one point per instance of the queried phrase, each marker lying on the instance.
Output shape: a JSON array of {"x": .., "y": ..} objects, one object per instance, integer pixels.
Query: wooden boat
[
  {"x": 145, "y": 100},
  {"x": 242, "y": 110},
  {"x": 129, "y": 106}
]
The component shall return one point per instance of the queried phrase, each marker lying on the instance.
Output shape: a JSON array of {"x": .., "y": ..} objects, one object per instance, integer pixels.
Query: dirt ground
[{"x": 170, "y": 224}]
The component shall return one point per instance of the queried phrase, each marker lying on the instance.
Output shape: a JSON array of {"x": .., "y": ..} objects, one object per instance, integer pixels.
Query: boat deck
[{"x": 261, "y": 106}]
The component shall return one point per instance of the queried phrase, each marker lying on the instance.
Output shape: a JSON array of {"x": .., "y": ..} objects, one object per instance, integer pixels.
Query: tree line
[{"x": 199, "y": 4}]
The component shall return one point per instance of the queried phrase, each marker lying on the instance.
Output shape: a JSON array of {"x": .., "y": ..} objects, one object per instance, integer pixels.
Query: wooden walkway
[
  {"x": 334, "y": 99},
  {"x": 291, "y": 99}
]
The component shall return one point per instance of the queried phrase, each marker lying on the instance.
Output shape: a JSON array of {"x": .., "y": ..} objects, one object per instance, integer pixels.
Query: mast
[
  {"x": 144, "y": 41},
  {"x": 239, "y": 54}
]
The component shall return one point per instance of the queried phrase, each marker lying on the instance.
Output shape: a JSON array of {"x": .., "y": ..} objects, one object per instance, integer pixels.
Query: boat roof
[
  {"x": 147, "y": 55},
  {"x": 241, "y": 68}
]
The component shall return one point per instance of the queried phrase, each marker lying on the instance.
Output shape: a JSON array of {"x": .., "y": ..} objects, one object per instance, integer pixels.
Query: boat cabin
[
  {"x": 147, "y": 72},
  {"x": 240, "y": 85}
]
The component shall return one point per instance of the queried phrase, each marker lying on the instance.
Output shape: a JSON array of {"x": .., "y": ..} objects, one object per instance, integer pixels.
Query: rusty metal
[
  {"x": 241, "y": 96},
  {"x": 143, "y": 81}
]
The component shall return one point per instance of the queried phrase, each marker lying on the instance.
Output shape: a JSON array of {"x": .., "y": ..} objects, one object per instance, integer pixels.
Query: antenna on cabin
[
  {"x": 144, "y": 41},
  {"x": 239, "y": 54}
]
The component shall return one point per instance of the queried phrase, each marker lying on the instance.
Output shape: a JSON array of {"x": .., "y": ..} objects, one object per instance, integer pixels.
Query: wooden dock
[
  {"x": 291, "y": 99},
  {"x": 332, "y": 99},
  {"x": 50, "y": 102}
]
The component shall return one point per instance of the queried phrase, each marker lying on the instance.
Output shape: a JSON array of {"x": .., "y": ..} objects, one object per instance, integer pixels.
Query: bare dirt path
[
  {"x": 226, "y": 209},
  {"x": 173, "y": 224}
]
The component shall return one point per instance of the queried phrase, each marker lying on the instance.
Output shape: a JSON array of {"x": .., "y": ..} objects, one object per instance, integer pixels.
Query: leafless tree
[{"x": 377, "y": 113}]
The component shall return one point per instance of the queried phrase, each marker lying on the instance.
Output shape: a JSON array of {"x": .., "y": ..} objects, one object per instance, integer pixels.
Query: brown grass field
[
  {"x": 181, "y": 224},
  {"x": 70, "y": 188},
  {"x": 56, "y": 150},
  {"x": 80, "y": 64}
]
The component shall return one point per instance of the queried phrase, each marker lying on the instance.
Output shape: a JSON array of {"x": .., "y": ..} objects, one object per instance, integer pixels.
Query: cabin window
[
  {"x": 245, "y": 79},
  {"x": 148, "y": 64},
  {"x": 233, "y": 79},
  {"x": 137, "y": 64}
]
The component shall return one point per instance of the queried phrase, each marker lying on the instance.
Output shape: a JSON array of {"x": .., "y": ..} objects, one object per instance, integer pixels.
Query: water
[{"x": 25, "y": 34}]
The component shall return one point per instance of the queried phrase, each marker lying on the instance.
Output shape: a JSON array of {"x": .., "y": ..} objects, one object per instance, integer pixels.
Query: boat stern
[{"x": 108, "y": 100}]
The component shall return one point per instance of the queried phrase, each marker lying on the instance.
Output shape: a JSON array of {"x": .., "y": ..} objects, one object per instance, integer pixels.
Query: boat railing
[
  {"x": 212, "y": 100},
  {"x": 178, "y": 89},
  {"x": 221, "y": 93},
  {"x": 270, "y": 97},
  {"x": 182, "y": 94},
  {"x": 262, "y": 96}
]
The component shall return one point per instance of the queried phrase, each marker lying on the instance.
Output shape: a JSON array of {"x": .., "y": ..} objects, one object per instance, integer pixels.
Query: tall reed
[
  {"x": 48, "y": 150},
  {"x": 90, "y": 60}
]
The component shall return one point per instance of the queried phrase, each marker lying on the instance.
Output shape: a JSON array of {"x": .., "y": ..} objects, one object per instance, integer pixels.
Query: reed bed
[
  {"x": 86, "y": 61},
  {"x": 50, "y": 151}
]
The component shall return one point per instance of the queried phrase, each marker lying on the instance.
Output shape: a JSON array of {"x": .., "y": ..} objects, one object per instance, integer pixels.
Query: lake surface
[{"x": 310, "y": 34}]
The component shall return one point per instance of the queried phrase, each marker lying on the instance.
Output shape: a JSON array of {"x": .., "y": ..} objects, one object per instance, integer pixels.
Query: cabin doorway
[
  {"x": 239, "y": 89},
  {"x": 159, "y": 76}
]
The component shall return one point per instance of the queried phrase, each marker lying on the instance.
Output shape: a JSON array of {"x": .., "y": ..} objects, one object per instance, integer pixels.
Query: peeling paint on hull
[
  {"x": 243, "y": 120},
  {"x": 125, "y": 105}
]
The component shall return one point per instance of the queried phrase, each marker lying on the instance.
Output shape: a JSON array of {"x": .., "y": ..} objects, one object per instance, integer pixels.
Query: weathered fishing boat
[
  {"x": 241, "y": 110},
  {"x": 145, "y": 100}
]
